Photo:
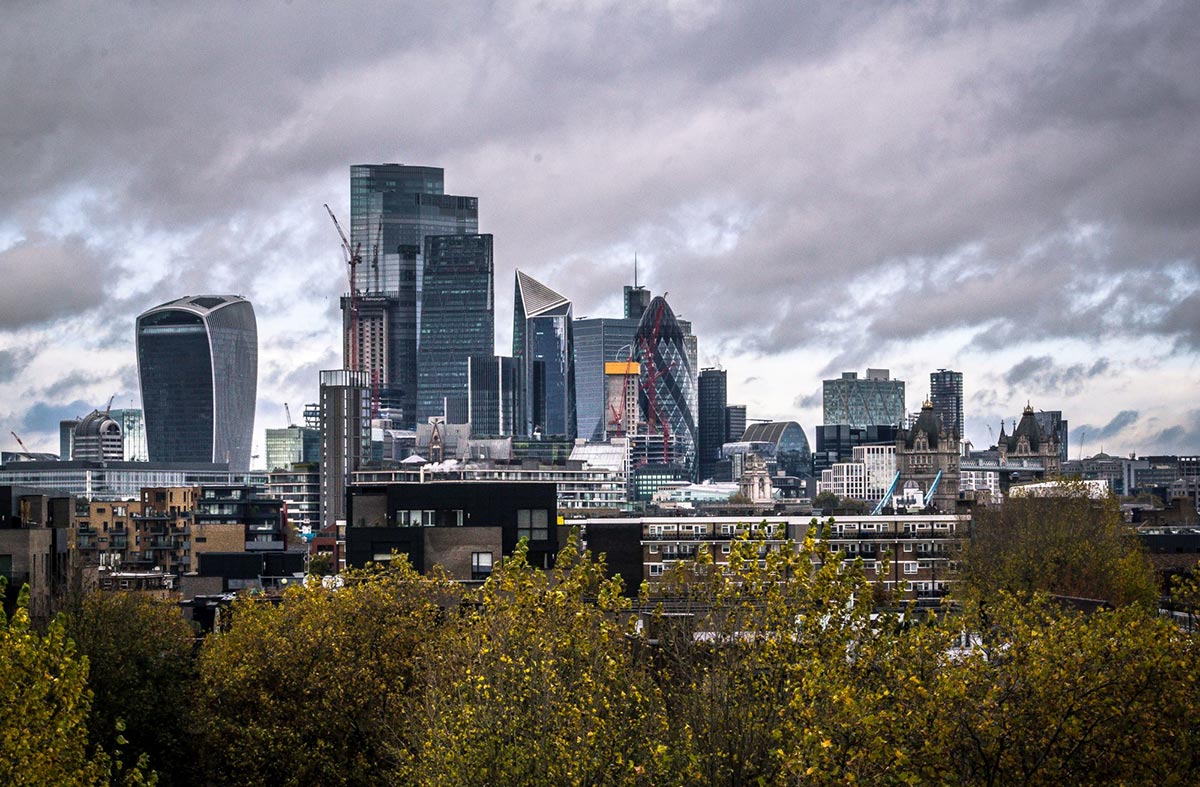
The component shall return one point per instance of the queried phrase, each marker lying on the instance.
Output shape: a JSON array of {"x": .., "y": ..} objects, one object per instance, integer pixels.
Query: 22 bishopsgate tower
[{"x": 394, "y": 211}]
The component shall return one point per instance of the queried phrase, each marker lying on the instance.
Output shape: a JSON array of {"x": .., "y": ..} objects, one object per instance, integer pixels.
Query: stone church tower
[{"x": 923, "y": 451}]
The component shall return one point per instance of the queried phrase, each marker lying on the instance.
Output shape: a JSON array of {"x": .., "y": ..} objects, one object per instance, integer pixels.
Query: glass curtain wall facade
[
  {"x": 712, "y": 395},
  {"x": 292, "y": 445},
  {"x": 393, "y": 209},
  {"x": 862, "y": 402},
  {"x": 946, "y": 393},
  {"x": 457, "y": 320},
  {"x": 543, "y": 341},
  {"x": 667, "y": 388},
  {"x": 790, "y": 450},
  {"x": 198, "y": 369},
  {"x": 597, "y": 342},
  {"x": 494, "y": 395}
]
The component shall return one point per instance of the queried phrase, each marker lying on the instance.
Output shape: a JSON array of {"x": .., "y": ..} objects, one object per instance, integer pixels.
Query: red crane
[
  {"x": 353, "y": 258},
  {"x": 21, "y": 443}
]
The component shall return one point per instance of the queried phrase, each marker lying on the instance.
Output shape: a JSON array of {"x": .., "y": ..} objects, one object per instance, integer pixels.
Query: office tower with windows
[
  {"x": 598, "y": 342},
  {"x": 735, "y": 422},
  {"x": 345, "y": 436},
  {"x": 667, "y": 388},
  {"x": 946, "y": 393},
  {"x": 1054, "y": 425},
  {"x": 493, "y": 395},
  {"x": 292, "y": 445},
  {"x": 636, "y": 300},
  {"x": 98, "y": 438},
  {"x": 861, "y": 402},
  {"x": 133, "y": 432},
  {"x": 543, "y": 342},
  {"x": 711, "y": 436},
  {"x": 458, "y": 313},
  {"x": 393, "y": 209},
  {"x": 198, "y": 367}
]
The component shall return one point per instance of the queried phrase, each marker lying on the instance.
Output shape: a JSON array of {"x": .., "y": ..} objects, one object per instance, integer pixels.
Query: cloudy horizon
[{"x": 1011, "y": 190}]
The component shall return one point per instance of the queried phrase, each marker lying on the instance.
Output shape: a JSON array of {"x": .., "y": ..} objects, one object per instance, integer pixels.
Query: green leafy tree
[
  {"x": 1068, "y": 545},
  {"x": 142, "y": 673},
  {"x": 315, "y": 689},
  {"x": 532, "y": 682},
  {"x": 826, "y": 501},
  {"x": 44, "y": 701}
]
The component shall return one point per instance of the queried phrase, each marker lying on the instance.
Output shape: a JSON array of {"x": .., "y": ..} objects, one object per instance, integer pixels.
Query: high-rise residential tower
[
  {"x": 198, "y": 366},
  {"x": 711, "y": 394},
  {"x": 458, "y": 313},
  {"x": 345, "y": 436},
  {"x": 667, "y": 388},
  {"x": 861, "y": 402},
  {"x": 946, "y": 393},
  {"x": 543, "y": 341},
  {"x": 393, "y": 209}
]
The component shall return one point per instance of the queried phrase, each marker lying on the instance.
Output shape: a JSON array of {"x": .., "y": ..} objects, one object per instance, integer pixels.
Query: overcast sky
[{"x": 1007, "y": 189}]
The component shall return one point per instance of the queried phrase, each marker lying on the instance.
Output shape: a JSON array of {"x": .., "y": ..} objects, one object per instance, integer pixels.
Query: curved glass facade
[
  {"x": 792, "y": 453},
  {"x": 667, "y": 386},
  {"x": 198, "y": 367}
]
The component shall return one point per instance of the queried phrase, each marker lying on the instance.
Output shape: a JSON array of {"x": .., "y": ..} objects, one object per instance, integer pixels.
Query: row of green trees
[{"x": 766, "y": 673}]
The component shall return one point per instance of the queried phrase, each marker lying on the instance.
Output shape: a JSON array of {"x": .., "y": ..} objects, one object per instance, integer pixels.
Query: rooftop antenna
[{"x": 635, "y": 284}]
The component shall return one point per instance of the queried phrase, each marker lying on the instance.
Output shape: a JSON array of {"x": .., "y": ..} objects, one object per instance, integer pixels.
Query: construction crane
[
  {"x": 353, "y": 258},
  {"x": 288, "y": 411},
  {"x": 108, "y": 407},
  {"x": 21, "y": 443}
]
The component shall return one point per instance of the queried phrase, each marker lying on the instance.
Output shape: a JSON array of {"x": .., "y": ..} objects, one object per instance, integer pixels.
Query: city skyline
[{"x": 1010, "y": 193}]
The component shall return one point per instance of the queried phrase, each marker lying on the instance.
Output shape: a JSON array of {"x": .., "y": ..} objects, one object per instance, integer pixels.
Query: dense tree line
[{"x": 764, "y": 672}]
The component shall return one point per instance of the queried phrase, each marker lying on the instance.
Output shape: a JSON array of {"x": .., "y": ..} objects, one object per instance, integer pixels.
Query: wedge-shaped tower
[{"x": 543, "y": 342}]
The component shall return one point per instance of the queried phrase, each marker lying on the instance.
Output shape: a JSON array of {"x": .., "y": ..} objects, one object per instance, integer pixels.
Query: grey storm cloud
[
  {"x": 1119, "y": 423},
  {"x": 12, "y": 363},
  {"x": 1043, "y": 375},
  {"x": 846, "y": 179}
]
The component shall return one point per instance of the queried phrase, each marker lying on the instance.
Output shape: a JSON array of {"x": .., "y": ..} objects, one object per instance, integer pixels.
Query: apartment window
[
  {"x": 725, "y": 549},
  {"x": 533, "y": 524},
  {"x": 908, "y": 547},
  {"x": 656, "y": 569},
  {"x": 910, "y": 567},
  {"x": 481, "y": 565}
]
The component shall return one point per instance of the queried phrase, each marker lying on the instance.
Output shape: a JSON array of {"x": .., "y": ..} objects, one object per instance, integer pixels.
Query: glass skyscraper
[
  {"x": 394, "y": 208},
  {"x": 598, "y": 341},
  {"x": 457, "y": 320},
  {"x": 292, "y": 445},
  {"x": 493, "y": 395},
  {"x": 198, "y": 367},
  {"x": 871, "y": 401},
  {"x": 667, "y": 388},
  {"x": 543, "y": 341},
  {"x": 946, "y": 393},
  {"x": 711, "y": 395}
]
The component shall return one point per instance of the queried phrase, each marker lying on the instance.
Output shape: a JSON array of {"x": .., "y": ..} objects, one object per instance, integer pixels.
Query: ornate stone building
[
  {"x": 1028, "y": 441},
  {"x": 926, "y": 450}
]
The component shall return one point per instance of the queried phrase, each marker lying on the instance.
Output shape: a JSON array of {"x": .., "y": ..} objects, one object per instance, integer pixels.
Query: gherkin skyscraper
[{"x": 667, "y": 386}]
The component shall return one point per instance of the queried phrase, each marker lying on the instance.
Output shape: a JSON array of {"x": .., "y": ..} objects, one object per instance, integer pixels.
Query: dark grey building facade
[
  {"x": 946, "y": 393},
  {"x": 711, "y": 431},
  {"x": 345, "y": 436},
  {"x": 198, "y": 368},
  {"x": 458, "y": 317},
  {"x": 494, "y": 391}
]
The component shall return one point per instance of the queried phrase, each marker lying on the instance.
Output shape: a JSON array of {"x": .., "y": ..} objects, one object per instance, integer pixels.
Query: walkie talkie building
[{"x": 198, "y": 366}]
